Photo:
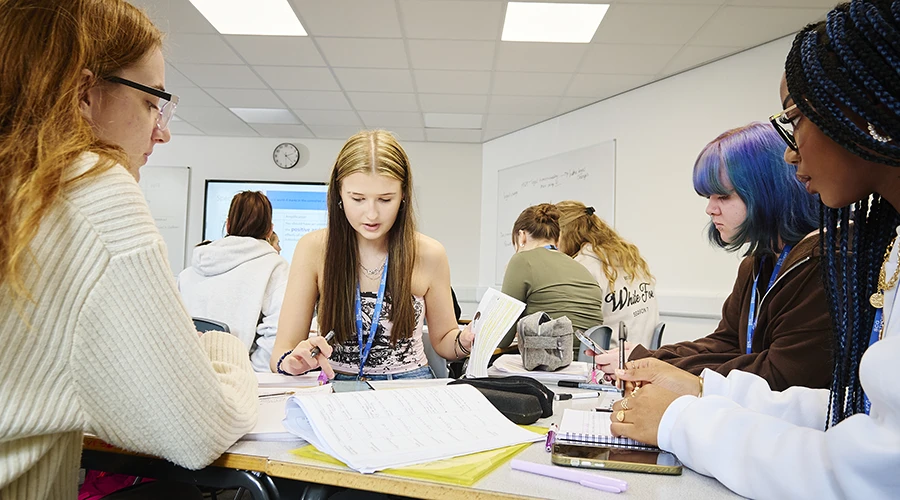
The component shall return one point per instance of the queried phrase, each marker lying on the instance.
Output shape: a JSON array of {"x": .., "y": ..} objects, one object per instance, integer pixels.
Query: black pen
[{"x": 315, "y": 350}]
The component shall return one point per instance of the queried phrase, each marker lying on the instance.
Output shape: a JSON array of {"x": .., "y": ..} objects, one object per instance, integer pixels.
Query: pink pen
[
  {"x": 551, "y": 437},
  {"x": 323, "y": 378}
]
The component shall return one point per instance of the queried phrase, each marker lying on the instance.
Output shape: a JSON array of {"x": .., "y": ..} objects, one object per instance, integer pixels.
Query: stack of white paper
[
  {"x": 496, "y": 314},
  {"x": 374, "y": 430},
  {"x": 511, "y": 364},
  {"x": 274, "y": 391},
  {"x": 265, "y": 379}
]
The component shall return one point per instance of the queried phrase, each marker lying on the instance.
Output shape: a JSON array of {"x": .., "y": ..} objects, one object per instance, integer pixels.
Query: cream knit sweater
[{"x": 110, "y": 349}]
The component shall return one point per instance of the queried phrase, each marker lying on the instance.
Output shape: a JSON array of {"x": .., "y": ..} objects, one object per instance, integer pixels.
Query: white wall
[
  {"x": 446, "y": 177},
  {"x": 659, "y": 130}
]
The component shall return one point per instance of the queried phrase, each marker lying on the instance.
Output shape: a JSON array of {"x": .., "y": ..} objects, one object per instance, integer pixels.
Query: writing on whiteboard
[{"x": 547, "y": 181}]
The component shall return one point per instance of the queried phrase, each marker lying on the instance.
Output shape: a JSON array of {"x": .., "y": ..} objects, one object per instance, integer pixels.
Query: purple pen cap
[{"x": 323, "y": 378}]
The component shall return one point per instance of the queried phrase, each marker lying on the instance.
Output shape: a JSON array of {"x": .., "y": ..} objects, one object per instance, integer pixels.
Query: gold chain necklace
[{"x": 877, "y": 298}]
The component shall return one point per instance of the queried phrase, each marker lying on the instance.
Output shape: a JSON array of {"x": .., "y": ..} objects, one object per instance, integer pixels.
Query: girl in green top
[{"x": 546, "y": 279}]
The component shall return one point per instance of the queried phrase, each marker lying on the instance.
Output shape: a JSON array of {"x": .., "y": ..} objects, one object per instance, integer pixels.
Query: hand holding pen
[{"x": 310, "y": 354}]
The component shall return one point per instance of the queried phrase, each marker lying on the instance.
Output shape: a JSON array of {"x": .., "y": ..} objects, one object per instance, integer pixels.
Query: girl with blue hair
[
  {"x": 841, "y": 124},
  {"x": 775, "y": 323}
]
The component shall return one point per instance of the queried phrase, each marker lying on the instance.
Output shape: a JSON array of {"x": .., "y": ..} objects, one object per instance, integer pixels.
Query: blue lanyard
[
  {"x": 877, "y": 325},
  {"x": 376, "y": 316},
  {"x": 550, "y": 247},
  {"x": 751, "y": 321}
]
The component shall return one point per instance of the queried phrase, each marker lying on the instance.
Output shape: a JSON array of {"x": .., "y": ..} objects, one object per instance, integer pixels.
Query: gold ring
[
  {"x": 620, "y": 416},
  {"x": 634, "y": 391},
  {"x": 624, "y": 403}
]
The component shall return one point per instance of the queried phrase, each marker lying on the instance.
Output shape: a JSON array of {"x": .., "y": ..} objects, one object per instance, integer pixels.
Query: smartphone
[
  {"x": 623, "y": 459},
  {"x": 589, "y": 342},
  {"x": 350, "y": 385}
]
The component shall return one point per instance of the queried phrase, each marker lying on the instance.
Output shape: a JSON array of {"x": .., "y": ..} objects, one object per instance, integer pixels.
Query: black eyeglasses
[
  {"x": 785, "y": 126},
  {"x": 167, "y": 101}
]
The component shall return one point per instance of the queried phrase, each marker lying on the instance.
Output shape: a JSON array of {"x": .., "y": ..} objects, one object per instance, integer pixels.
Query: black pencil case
[{"x": 523, "y": 400}]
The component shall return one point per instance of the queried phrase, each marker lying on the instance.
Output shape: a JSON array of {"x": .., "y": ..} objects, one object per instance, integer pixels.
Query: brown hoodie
[{"x": 792, "y": 341}]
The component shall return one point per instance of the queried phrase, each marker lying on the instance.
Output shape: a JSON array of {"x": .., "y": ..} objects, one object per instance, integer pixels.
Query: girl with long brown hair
[
  {"x": 372, "y": 278},
  {"x": 88, "y": 303},
  {"x": 629, "y": 290}
]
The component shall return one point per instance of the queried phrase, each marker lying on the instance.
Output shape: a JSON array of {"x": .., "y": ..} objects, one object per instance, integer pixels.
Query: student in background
[
  {"x": 95, "y": 336},
  {"x": 546, "y": 279},
  {"x": 275, "y": 242},
  {"x": 370, "y": 275},
  {"x": 240, "y": 279},
  {"x": 841, "y": 124},
  {"x": 755, "y": 202},
  {"x": 628, "y": 288}
]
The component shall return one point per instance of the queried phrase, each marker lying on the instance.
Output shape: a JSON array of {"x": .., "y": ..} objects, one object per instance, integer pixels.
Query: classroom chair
[
  {"x": 656, "y": 339},
  {"x": 435, "y": 361},
  {"x": 599, "y": 334},
  {"x": 210, "y": 325}
]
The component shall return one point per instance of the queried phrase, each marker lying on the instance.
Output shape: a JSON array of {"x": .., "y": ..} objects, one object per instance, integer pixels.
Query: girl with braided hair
[{"x": 841, "y": 124}]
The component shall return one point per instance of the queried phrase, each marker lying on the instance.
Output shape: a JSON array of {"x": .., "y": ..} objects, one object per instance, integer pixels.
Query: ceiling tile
[
  {"x": 276, "y": 50},
  {"x": 239, "y": 129},
  {"x": 627, "y": 59},
  {"x": 453, "y": 103},
  {"x": 375, "y": 80},
  {"x": 192, "y": 96},
  {"x": 515, "y": 83},
  {"x": 571, "y": 103},
  {"x": 449, "y": 54},
  {"x": 822, "y": 4},
  {"x": 363, "y": 52},
  {"x": 175, "y": 78},
  {"x": 206, "y": 114},
  {"x": 175, "y": 16},
  {"x": 364, "y": 18},
  {"x": 289, "y": 78},
  {"x": 388, "y": 119},
  {"x": 383, "y": 101},
  {"x": 221, "y": 76},
  {"x": 750, "y": 26},
  {"x": 321, "y": 117},
  {"x": 204, "y": 49},
  {"x": 246, "y": 98},
  {"x": 183, "y": 128},
  {"x": 279, "y": 116},
  {"x": 406, "y": 134},
  {"x": 691, "y": 56},
  {"x": 452, "y": 20},
  {"x": 452, "y": 135},
  {"x": 452, "y": 82},
  {"x": 507, "y": 122},
  {"x": 286, "y": 131},
  {"x": 516, "y": 105},
  {"x": 603, "y": 86},
  {"x": 652, "y": 24},
  {"x": 342, "y": 132},
  {"x": 542, "y": 57},
  {"x": 313, "y": 99}
]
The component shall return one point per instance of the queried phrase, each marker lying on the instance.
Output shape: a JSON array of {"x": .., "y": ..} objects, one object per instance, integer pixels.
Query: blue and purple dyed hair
[{"x": 751, "y": 159}]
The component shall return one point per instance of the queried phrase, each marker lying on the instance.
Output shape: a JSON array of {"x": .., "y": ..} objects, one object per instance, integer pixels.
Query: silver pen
[{"x": 315, "y": 350}]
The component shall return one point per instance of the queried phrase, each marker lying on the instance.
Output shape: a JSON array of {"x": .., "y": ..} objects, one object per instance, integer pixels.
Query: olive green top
[{"x": 551, "y": 281}]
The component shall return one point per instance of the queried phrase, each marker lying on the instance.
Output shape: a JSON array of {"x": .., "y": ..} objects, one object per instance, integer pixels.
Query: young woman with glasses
[
  {"x": 841, "y": 124},
  {"x": 95, "y": 336}
]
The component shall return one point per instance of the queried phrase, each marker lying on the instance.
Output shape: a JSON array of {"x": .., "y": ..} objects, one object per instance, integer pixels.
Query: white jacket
[
  {"x": 764, "y": 444},
  {"x": 633, "y": 302},
  {"x": 235, "y": 280}
]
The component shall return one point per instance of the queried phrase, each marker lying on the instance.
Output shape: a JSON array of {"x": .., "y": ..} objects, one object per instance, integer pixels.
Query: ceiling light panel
[
  {"x": 453, "y": 120},
  {"x": 552, "y": 22},
  {"x": 260, "y": 17}
]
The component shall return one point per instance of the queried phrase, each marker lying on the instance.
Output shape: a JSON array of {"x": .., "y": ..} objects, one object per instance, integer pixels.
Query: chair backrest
[
  {"x": 437, "y": 363},
  {"x": 208, "y": 325},
  {"x": 656, "y": 339},
  {"x": 599, "y": 334}
]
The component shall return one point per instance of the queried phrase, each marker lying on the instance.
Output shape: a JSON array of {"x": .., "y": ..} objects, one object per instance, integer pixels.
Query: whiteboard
[
  {"x": 587, "y": 175},
  {"x": 166, "y": 191}
]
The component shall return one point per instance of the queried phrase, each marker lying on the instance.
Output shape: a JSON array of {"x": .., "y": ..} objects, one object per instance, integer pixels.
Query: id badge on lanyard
[
  {"x": 751, "y": 321},
  {"x": 376, "y": 316}
]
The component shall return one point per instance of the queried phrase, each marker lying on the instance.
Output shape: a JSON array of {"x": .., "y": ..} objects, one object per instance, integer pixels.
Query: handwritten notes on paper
[{"x": 375, "y": 430}]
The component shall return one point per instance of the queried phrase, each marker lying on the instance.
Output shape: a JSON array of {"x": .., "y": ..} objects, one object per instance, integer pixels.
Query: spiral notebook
[{"x": 592, "y": 427}]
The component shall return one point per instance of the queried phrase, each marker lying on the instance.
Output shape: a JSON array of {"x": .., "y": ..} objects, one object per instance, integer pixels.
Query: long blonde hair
[
  {"x": 370, "y": 151},
  {"x": 579, "y": 226},
  {"x": 44, "y": 47}
]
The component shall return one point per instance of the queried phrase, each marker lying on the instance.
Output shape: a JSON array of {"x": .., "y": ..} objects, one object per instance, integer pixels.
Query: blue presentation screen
[{"x": 297, "y": 208}]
